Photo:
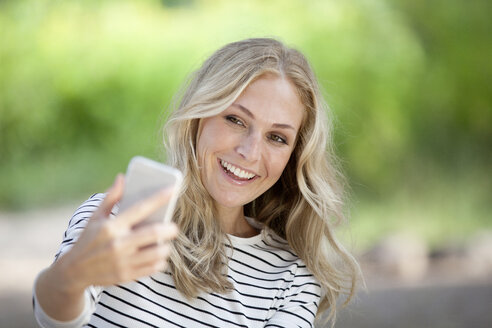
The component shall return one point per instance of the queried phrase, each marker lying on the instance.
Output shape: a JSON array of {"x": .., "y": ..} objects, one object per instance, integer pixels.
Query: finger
[
  {"x": 150, "y": 269},
  {"x": 113, "y": 195},
  {"x": 118, "y": 264},
  {"x": 125, "y": 271},
  {"x": 150, "y": 256},
  {"x": 152, "y": 234},
  {"x": 146, "y": 207}
]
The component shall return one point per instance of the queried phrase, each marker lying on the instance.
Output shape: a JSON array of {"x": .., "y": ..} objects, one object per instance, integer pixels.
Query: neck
[{"x": 233, "y": 222}]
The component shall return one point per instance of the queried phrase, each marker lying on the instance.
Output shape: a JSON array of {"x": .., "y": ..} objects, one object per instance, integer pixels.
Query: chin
[{"x": 231, "y": 201}]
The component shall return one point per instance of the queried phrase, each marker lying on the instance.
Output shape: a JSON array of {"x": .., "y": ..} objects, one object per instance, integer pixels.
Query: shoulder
[
  {"x": 301, "y": 279},
  {"x": 270, "y": 254},
  {"x": 298, "y": 291},
  {"x": 272, "y": 243},
  {"x": 88, "y": 207},
  {"x": 78, "y": 222},
  {"x": 92, "y": 203}
]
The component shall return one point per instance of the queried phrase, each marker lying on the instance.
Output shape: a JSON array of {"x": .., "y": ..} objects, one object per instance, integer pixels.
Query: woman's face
[{"x": 243, "y": 151}]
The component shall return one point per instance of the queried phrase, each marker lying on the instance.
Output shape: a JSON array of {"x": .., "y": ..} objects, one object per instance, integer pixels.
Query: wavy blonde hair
[{"x": 303, "y": 206}]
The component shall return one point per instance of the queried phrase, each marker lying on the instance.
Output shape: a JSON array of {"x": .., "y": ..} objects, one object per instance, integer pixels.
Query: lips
[{"x": 236, "y": 172}]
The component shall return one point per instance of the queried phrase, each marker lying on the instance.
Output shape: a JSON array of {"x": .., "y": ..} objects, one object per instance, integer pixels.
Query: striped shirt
[{"x": 271, "y": 288}]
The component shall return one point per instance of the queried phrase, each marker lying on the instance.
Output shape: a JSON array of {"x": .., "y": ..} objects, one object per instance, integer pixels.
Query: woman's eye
[
  {"x": 278, "y": 139},
  {"x": 234, "y": 120}
]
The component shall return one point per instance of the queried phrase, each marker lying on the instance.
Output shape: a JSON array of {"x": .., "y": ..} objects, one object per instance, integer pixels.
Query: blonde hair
[{"x": 303, "y": 206}]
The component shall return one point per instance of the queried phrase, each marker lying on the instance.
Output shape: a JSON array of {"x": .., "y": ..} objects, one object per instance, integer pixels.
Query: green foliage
[{"x": 85, "y": 85}]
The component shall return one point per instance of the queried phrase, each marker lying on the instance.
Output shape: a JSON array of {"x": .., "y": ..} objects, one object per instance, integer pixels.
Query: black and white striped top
[{"x": 272, "y": 288}]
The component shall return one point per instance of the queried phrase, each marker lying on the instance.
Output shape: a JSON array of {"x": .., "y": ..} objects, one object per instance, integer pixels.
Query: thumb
[{"x": 113, "y": 195}]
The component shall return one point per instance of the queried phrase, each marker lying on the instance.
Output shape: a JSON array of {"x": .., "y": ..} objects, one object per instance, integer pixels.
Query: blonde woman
[{"x": 252, "y": 241}]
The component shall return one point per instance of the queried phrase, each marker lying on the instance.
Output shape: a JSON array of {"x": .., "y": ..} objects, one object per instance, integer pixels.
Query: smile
[{"x": 237, "y": 172}]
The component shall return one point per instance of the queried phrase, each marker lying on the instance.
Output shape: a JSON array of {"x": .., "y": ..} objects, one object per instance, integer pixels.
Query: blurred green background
[{"x": 85, "y": 85}]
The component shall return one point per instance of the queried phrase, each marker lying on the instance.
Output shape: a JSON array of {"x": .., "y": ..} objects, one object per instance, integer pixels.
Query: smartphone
[{"x": 144, "y": 177}]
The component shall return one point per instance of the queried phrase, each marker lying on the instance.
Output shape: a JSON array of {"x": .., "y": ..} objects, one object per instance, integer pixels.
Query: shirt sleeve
[
  {"x": 46, "y": 321},
  {"x": 75, "y": 227},
  {"x": 300, "y": 304}
]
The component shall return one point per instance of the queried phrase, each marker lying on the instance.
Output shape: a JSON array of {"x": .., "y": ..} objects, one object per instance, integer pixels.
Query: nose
[{"x": 249, "y": 147}]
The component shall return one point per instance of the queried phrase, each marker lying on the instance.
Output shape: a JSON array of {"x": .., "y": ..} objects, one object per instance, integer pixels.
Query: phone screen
[{"x": 145, "y": 177}]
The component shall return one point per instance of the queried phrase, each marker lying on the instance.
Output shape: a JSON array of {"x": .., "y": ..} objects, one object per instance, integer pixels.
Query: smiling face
[{"x": 243, "y": 151}]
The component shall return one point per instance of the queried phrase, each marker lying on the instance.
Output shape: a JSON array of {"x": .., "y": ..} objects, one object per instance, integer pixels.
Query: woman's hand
[
  {"x": 109, "y": 251},
  {"x": 112, "y": 251}
]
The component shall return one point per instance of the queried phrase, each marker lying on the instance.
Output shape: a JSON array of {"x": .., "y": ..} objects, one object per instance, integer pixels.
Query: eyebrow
[{"x": 275, "y": 125}]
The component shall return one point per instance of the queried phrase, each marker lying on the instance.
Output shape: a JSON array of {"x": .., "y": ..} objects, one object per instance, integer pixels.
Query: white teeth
[{"x": 236, "y": 171}]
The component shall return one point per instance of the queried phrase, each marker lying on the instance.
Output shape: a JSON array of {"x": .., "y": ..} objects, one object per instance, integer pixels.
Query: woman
[{"x": 255, "y": 246}]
